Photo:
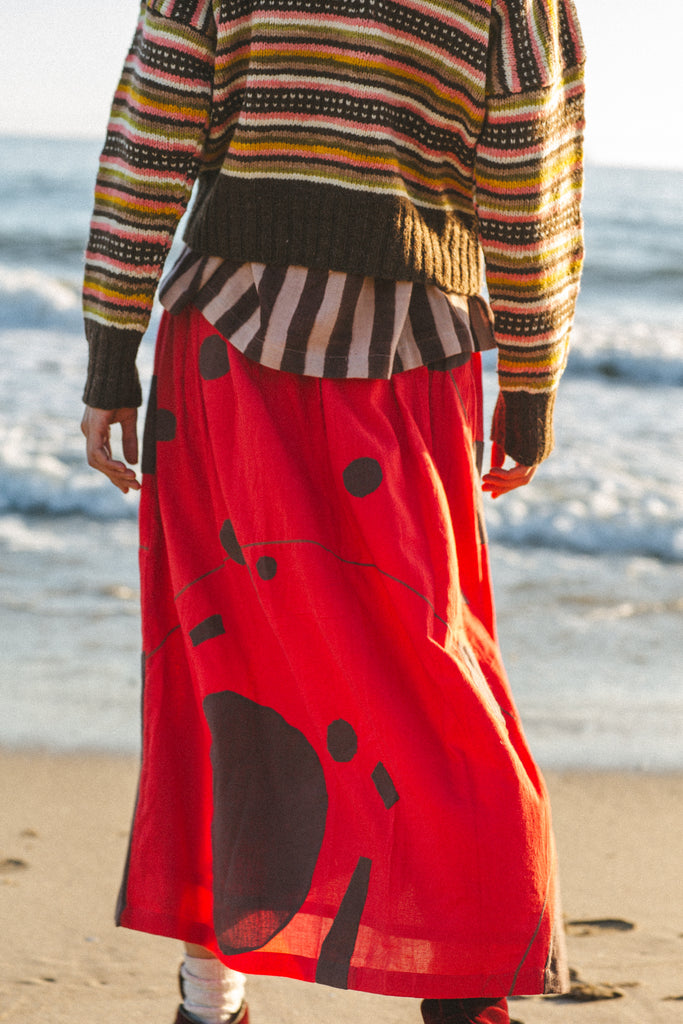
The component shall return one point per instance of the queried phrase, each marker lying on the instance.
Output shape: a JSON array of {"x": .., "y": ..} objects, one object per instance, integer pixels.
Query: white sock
[{"x": 212, "y": 991}]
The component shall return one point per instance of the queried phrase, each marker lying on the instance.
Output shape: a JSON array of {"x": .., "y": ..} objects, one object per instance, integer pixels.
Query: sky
[{"x": 61, "y": 61}]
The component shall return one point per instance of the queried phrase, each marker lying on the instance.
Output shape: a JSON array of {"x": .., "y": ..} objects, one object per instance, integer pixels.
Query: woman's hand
[
  {"x": 96, "y": 425},
  {"x": 499, "y": 480}
]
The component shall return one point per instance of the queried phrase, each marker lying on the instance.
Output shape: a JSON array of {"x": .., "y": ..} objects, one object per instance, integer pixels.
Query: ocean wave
[
  {"x": 632, "y": 349},
  {"x": 640, "y": 350},
  {"x": 571, "y": 527},
  {"x": 36, "y": 298},
  {"x": 35, "y": 249},
  {"x": 45, "y": 485},
  {"x": 560, "y": 530},
  {"x": 623, "y": 366},
  {"x": 640, "y": 282}
]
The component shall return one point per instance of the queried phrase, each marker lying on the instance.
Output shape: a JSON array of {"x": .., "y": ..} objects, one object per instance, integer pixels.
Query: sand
[{"x": 63, "y": 836}]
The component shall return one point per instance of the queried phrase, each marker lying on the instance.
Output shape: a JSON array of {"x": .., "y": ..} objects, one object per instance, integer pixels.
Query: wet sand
[{"x": 63, "y": 836}]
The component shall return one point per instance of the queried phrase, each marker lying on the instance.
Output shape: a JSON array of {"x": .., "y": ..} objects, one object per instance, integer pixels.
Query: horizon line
[{"x": 94, "y": 137}]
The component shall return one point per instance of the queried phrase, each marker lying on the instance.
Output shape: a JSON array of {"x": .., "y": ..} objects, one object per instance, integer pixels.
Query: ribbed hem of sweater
[
  {"x": 523, "y": 425},
  {"x": 327, "y": 227},
  {"x": 112, "y": 381}
]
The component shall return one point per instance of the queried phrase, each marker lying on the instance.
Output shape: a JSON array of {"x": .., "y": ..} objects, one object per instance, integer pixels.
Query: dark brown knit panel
[
  {"x": 523, "y": 425},
  {"x": 112, "y": 381},
  {"x": 275, "y": 221}
]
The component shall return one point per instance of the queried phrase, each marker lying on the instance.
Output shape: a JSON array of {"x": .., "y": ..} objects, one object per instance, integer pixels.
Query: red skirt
[{"x": 335, "y": 785}]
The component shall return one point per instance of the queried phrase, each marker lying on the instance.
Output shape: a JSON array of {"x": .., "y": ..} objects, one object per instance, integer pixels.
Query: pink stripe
[
  {"x": 391, "y": 134},
  {"x": 200, "y": 13},
  {"x": 102, "y": 299},
  {"x": 171, "y": 42},
  {"x": 140, "y": 110},
  {"x": 509, "y": 50},
  {"x": 505, "y": 116},
  {"x": 276, "y": 46},
  {"x": 335, "y": 160},
  {"x": 504, "y": 274},
  {"x": 120, "y": 126},
  {"x": 527, "y": 308},
  {"x": 142, "y": 71},
  {"x": 447, "y": 60},
  {"x": 330, "y": 21},
  {"x": 506, "y": 190},
  {"x": 575, "y": 32},
  {"x": 135, "y": 234},
  {"x": 541, "y": 61},
  {"x": 460, "y": 23},
  {"x": 141, "y": 270},
  {"x": 170, "y": 177},
  {"x": 528, "y": 250},
  {"x": 140, "y": 204},
  {"x": 144, "y": 275},
  {"x": 368, "y": 95}
]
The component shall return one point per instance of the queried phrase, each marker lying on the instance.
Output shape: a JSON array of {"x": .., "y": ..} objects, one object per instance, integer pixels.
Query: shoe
[
  {"x": 465, "y": 1011},
  {"x": 240, "y": 1017}
]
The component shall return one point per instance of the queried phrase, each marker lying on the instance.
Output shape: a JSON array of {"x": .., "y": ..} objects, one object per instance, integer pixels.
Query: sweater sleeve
[
  {"x": 152, "y": 155},
  {"x": 528, "y": 181}
]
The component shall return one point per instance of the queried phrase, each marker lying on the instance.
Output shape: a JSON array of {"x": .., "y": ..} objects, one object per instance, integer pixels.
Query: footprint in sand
[
  {"x": 10, "y": 864},
  {"x": 587, "y": 991},
  {"x": 596, "y": 925}
]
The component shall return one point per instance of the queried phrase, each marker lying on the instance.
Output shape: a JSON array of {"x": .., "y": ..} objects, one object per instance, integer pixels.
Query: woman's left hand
[{"x": 500, "y": 480}]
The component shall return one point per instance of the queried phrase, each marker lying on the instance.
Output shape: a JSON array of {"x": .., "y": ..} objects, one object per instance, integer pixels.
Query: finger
[
  {"x": 119, "y": 474},
  {"x": 516, "y": 474},
  {"x": 100, "y": 458},
  {"x": 501, "y": 481},
  {"x": 129, "y": 437}
]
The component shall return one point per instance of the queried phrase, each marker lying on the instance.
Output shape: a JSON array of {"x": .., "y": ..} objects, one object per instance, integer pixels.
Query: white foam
[
  {"x": 32, "y": 297},
  {"x": 18, "y": 535}
]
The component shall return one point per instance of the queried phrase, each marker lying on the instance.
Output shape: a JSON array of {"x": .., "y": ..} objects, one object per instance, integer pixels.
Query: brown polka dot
[
  {"x": 362, "y": 477},
  {"x": 214, "y": 361},
  {"x": 342, "y": 741},
  {"x": 266, "y": 567}
]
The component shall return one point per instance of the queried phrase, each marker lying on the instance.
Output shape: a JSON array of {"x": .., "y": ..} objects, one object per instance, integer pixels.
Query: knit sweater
[{"x": 396, "y": 139}]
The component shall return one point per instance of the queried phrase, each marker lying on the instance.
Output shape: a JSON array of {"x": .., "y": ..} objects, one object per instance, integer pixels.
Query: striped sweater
[{"x": 396, "y": 139}]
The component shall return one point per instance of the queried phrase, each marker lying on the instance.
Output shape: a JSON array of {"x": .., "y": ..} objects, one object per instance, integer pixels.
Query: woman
[{"x": 335, "y": 785}]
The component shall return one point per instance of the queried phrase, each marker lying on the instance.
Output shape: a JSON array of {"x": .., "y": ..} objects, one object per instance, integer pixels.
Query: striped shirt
[{"x": 328, "y": 323}]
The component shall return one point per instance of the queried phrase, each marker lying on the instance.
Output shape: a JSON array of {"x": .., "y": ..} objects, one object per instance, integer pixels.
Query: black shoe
[
  {"x": 465, "y": 1011},
  {"x": 240, "y": 1017}
]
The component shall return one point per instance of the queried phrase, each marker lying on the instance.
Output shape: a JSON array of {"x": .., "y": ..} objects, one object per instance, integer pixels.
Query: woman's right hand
[{"x": 96, "y": 426}]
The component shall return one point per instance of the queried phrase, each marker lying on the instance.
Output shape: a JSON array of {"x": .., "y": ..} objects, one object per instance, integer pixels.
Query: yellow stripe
[
  {"x": 158, "y": 106},
  {"x": 125, "y": 202}
]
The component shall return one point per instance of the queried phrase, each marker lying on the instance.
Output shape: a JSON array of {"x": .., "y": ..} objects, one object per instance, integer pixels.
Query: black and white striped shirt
[{"x": 322, "y": 323}]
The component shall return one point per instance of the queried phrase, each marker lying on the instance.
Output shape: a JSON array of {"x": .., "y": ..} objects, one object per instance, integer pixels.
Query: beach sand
[{"x": 63, "y": 836}]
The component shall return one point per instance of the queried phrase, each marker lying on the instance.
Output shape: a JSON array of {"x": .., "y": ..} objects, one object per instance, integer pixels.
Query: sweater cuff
[
  {"x": 523, "y": 425},
  {"x": 112, "y": 381}
]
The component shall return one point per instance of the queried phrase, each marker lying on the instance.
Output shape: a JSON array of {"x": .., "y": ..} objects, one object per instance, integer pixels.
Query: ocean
[{"x": 587, "y": 560}]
